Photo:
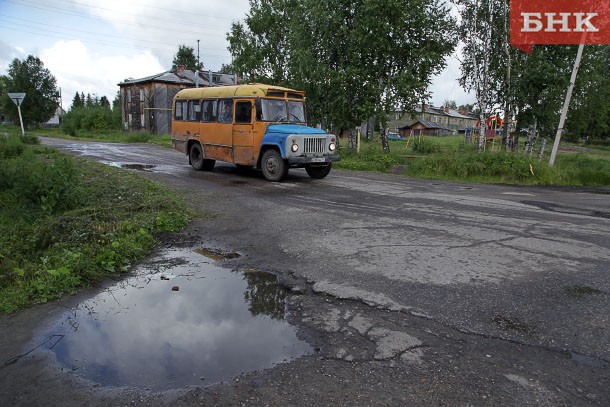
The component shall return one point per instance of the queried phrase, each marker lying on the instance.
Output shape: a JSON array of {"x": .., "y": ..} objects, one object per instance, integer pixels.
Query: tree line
[
  {"x": 91, "y": 113},
  {"x": 531, "y": 88},
  {"x": 42, "y": 100},
  {"x": 361, "y": 58}
]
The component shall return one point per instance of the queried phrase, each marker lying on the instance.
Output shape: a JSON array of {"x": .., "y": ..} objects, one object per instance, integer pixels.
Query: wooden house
[{"x": 146, "y": 103}]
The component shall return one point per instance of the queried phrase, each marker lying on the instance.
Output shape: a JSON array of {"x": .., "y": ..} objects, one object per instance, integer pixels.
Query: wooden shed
[
  {"x": 146, "y": 103},
  {"x": 420, "y": 127}
]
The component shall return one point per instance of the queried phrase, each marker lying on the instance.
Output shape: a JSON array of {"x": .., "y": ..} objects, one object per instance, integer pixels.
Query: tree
[
  {"x": 77, "y": 102},
  {"x": 104, "y": 102},
  {"x": 186, "y": 56},
  {"x": 482, "y": 34},
  {"x": 450, "y": 104},
  {"x": 42, "y": 97},
  {"x": 353, "y": 58}
]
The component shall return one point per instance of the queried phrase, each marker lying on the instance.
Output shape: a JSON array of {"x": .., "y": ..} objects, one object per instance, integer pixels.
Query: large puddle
[{"x": 183, "y": 321}]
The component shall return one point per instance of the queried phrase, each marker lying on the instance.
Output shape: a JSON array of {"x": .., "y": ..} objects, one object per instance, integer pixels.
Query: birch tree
[{"x": 480, "y": 20}]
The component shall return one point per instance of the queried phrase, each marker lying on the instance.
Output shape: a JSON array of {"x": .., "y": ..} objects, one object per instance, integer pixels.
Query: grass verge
[
  {"x": 111, "y": 136},
  {"x": 66, "y": 222},
  {"x": 449, "y": 158}
]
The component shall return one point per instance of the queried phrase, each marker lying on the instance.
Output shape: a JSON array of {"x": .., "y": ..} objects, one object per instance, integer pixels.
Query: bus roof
[{"x": 249, "y": 90}]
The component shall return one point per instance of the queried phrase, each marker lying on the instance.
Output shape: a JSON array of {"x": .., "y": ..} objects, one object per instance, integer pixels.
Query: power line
[
  {"x": 149, "y": 6},
  {"x": 62, "y": 36},
  {"x": 72, "y": 30},
  {"x": 59, "y": 10}
]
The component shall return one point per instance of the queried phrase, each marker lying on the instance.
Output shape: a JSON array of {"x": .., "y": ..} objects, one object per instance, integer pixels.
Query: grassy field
[
  {"x": 110, "y": 136},
  {"x": 450, "y": 158},
  {"x": 66, "y": 222}
]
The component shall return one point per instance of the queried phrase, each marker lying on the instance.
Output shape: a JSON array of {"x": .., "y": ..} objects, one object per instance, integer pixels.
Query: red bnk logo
[{"x": 559, "y": 22}]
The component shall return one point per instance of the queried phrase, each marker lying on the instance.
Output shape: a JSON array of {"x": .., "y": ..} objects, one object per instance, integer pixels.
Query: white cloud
[
  {"x": 80, "y": 69},
  {"x": 445, "y": 86}
]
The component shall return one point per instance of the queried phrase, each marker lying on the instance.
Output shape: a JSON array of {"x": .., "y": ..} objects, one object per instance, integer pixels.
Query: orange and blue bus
[{"x": 253, "y": 125}]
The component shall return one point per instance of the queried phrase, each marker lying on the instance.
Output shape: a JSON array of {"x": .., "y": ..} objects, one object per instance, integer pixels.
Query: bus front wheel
[
  {"x": 197, "y": 161},
  {"x": 318, "y": 171},
  {"x": 274, "y": 166}
]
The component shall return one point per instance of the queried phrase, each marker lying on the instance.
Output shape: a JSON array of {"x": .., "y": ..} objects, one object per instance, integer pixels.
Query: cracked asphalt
[{"x": 411, "y": 292}]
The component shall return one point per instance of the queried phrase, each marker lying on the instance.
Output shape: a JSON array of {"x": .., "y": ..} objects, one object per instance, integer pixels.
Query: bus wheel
[
  {"x": 196, "y": 156},
  {"x": 318, "y": 171},
  {"x": 197, "y": 161},
  {"x": 273, "y": 165}
]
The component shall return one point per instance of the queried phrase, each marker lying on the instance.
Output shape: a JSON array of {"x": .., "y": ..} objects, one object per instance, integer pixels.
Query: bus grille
[{"x": 314, "y": 145}]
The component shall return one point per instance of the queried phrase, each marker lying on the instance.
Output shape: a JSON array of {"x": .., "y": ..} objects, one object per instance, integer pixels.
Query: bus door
[{"x": 243, "y": 129}]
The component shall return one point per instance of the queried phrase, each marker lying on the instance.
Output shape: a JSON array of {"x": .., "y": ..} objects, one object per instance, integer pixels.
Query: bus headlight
[
  {"x": 332, "y": 147},
  {"x": 294, "y": 148}
]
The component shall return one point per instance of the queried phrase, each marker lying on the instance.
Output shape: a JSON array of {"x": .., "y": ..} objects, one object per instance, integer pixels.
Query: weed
[{"x": 67, "y": 222}]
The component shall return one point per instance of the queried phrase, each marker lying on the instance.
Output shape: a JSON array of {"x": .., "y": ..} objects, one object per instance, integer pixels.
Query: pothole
[
  {"x": 189, "y": 323},
  {"x": 511, "y": 323},
  {"x": 581, "y": 291}
]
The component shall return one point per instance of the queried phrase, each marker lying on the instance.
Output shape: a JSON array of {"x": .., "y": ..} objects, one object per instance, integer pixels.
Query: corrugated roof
[
  {"x": 427, "y": 125},
  {"x": 185, "y": 77}
]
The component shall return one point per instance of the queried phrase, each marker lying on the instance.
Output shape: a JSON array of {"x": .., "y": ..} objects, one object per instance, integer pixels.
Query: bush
[{"x": 425, "y": 146}]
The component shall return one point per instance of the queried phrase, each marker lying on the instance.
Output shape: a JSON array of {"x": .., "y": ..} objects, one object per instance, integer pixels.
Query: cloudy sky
[{"x": 91, "y": 46}]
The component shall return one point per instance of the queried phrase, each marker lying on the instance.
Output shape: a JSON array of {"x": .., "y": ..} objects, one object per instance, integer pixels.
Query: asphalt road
[{"x": 413, "y": 292}]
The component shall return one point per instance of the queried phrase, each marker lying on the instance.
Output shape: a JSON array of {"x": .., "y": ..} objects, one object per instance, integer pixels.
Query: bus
[{"x": 252, "y": 125}]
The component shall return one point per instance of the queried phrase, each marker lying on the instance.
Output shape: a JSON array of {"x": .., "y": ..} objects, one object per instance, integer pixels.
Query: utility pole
[
  {"x": 198, "y": 67},
  {"x": 198, "y": 63}
]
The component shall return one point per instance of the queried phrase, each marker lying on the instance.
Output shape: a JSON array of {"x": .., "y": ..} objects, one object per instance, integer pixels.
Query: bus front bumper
[{"x": 300, "y": 161}]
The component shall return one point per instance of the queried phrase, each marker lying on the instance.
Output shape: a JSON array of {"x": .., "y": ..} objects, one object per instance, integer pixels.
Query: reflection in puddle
[
  {"x": 216, "y": 254},
  {"x": 141, "y": 333}
]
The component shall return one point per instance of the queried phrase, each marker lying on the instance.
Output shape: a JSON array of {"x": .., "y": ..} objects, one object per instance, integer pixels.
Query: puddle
[
  {"x": 217, "y": 254},
  {"x": 183, "y": 323},
  {"x": 138, "y": 167}
]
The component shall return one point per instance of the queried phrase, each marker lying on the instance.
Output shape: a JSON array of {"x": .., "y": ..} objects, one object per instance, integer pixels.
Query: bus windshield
[{"x": 277, "y": 110}]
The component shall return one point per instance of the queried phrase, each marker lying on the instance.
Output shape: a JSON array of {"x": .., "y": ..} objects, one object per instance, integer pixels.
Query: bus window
[
  {"x": 296, "y": 109},
  {"x": 180, "y": 109},
  {"x": 209, "y": 110},
  {"x": 225, "y": 107},
  {"x": 194, "y": 110},
  {"x": 243, "y": 112},
  {"x": 273, "y": 110}
]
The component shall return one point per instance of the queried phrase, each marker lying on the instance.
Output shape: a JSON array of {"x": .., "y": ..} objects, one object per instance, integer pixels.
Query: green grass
[
  {"x": 111, "y": 136},
  {"x": 449, "y": 158},
  {"x": 66, "y": 222}
]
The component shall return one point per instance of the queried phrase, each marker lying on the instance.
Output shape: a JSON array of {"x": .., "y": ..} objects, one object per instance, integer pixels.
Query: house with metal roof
[
  {"x": 437, "y": 120},
  {"x": 146, "y": 103},
  {"x": 421, "y": 127}
]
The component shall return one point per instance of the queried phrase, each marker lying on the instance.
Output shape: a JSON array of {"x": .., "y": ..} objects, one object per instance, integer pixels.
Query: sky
[{"x": 91, "y": 46}]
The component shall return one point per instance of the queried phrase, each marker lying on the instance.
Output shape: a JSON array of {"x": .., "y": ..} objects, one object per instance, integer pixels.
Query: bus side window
[
  {"x": 209, "y": 111},
  {"x": 225, "y": 111},
  {"x": 243, "y": 112},
  {"x": 194, "y": 110},
  {"x": 180, "y": 110}
]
